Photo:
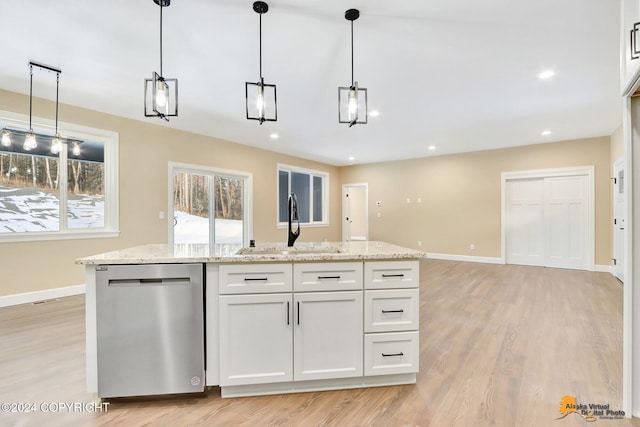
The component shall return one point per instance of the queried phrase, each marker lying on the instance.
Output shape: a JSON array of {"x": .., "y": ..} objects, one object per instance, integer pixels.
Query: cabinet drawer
[
  {"x": 332, "y": 276},
  {"x": 391, "y": 353},
  {"x": 391, "y": 274},
  {"x": 391, "y": 310},
  {"x": 255, "y": 278}
]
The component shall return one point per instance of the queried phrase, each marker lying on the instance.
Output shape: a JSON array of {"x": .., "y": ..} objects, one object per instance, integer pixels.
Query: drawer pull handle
[
  {"x": 298, "y": 312},
  {"x": 288, "y": 311},
  {"x": 255, "y": 279},
  {"x": 393, "y": 354},
  {"x": 393, "y": 311},
  {"x": 393, "y": 275},
  {"x": 328, "y": 277}
]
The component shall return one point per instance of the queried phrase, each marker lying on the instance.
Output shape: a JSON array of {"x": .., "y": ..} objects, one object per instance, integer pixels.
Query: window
[
  {"x": 65, "y": 194},
  {"x": 209, "y": 205},
  {"x": 311, "y": 190}
]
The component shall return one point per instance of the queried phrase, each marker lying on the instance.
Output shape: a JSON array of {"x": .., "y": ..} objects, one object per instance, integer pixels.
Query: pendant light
[
  {"x": 5, "y": 138},
  {"x": 30, "y": 140},
  {"x": 160, "y": 93},
  {"x": 56, "y": 142},
  {"x": 352, "y": 100},
  {"x": 260, "y": 97}
]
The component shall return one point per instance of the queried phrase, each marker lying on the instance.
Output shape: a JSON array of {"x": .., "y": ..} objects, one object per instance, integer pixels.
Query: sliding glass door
[{"x": 209, "y": 205}]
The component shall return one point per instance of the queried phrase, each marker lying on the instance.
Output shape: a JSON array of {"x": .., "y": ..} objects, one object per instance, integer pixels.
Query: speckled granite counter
[{"x": 267, "y": 252}]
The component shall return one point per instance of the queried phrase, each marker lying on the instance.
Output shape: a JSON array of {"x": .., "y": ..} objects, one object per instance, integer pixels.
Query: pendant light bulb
[
  {"x": 30, "y": 141},
  {"x": 353, "y": 104},
  {"x": 56, "y": 144},
  {"x": 76, "y": 149},
  {"x": 162, "y": 94},
  {"x": 6, "y": 138},
  {"x": 260, "y": 102}
]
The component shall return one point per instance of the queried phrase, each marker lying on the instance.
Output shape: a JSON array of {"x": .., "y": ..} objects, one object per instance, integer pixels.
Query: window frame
[
  {"x": 212, "y": 172},
  {"x": 111, "y": 141},
  {"x": 325, "y": 194}
]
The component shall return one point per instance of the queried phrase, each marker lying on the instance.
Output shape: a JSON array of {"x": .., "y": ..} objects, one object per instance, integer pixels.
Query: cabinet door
[
  {"x": 255, "y": 339},
  {"x": 328, "y": 335}
]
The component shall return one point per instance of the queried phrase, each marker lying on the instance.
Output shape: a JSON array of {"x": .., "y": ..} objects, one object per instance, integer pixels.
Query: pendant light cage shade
[
  {"x": 260, "y": 98},
  {"x": 261, "y": 101},
  {"x": 160, "y": 93},
  {"x": 352, "y": 105},
  {"x": 160, "y": 97},
  {"x": 352, "y": 100}
]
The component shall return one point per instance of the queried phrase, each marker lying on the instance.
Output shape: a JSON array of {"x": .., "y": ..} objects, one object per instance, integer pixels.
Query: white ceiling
[{"x": 457, "y": 74}]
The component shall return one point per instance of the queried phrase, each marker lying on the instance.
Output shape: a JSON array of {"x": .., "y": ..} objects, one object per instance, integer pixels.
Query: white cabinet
[
  {"x": 333, "y": 276},
  {"x": 630, "y": 45},
  {"x": 256, "y": 344},
  {"x": 269, "y": 337},
  {"x": 328, "y": 335},
  {"x": 255, "y": 278},
  {"x": 391, "y": 317}
]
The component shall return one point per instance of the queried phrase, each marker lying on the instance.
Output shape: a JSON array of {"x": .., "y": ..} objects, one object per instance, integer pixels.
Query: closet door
[
  {"x": 566, "y": 214},
  {"x": 547, "y": 221},
  {"x": 525, "y": 222}
]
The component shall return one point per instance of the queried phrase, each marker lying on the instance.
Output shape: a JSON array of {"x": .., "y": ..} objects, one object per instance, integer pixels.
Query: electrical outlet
[
  {"x": 419, "y": 242},
  {"x": 419, "y": 199},
  {"x": 161, "y": 215},
  {"x": 379, "y": 214},
  {"x": 472, "y": 246},
  {"x": 408, "y": 200}
]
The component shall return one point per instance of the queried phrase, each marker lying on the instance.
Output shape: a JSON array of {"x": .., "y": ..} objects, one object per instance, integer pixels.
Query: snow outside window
[
  {"x": 311, "y": 190},
  {"x": 49, "y": 192}
]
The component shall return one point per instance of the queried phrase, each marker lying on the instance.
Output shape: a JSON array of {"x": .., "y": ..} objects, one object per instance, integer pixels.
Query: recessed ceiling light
[
  {"x": 374, "y": 113},
  {"x": 274, "y": 136},
  {"x": 431, "y": 147},
  {"x": 545, "y": 133},
  {"x": 351, "y": 158},
  {"x": 546, "y": 74}
]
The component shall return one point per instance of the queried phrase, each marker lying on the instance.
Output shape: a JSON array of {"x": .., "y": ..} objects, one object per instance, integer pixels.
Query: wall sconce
[
  {"x": 352, "y": 100},
  {"x": 260, "y": 97},
  {"x": 160, "y": 93}
]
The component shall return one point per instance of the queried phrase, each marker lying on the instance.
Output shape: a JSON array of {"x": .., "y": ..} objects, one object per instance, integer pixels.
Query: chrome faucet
[{"x": 293, "y": 216}]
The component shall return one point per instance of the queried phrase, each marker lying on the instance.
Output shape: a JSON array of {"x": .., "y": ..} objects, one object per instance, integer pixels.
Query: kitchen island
[{"x": 318, "y": 316}]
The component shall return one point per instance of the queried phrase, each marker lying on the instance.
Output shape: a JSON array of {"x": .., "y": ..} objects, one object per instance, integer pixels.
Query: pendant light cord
[
  {"x": 161, "y": 39},
  {"x": 30, "y": 95},
  {"x": 352, "y": 54},
  {"x": 260, "y": 47},
  {"x": 57, "y": 92}
]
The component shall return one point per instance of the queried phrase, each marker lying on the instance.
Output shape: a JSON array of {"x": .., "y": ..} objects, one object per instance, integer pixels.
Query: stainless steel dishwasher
[{"x": 150, "y": 329}]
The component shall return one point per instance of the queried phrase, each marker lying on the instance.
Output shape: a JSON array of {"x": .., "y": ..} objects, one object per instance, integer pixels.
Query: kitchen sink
[{"x": 277, "y": 250}]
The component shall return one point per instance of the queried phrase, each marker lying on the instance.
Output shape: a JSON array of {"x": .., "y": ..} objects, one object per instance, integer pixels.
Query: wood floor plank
[{"x": 500, "y": 345}]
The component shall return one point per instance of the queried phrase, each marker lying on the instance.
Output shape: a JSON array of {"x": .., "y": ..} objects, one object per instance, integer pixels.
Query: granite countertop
[{"x": 266, "y": 252}]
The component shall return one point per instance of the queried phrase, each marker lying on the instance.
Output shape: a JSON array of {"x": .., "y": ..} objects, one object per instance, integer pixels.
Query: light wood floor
[{"x": 500, "y": 346}]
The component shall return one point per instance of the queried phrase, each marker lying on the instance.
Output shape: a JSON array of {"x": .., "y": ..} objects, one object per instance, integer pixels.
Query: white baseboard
[
  {"x": 47, "y": 294},
  {"x": 467, "y": 258},
  {"x": 603, "y": 268}
]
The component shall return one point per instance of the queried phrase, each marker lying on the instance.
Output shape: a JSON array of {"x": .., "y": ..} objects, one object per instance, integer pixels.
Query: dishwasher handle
[{"x": 165, "y": 281}]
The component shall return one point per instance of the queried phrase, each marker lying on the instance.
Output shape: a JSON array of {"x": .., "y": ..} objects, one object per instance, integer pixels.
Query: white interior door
[
  {"x": 619, "y": 214},
  {"x": 355, "y": 224},
  {"x": 547, "y": 221},
  {"x": 525, "y": 222},
  {"x": 566, "y": 211}
]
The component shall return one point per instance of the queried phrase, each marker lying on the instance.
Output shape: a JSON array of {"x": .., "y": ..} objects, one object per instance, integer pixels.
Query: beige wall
[
  {"x": 461, "y": 195},
  {"x": 145, "y": 150},
  {"x": 617, "y": 146}
]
